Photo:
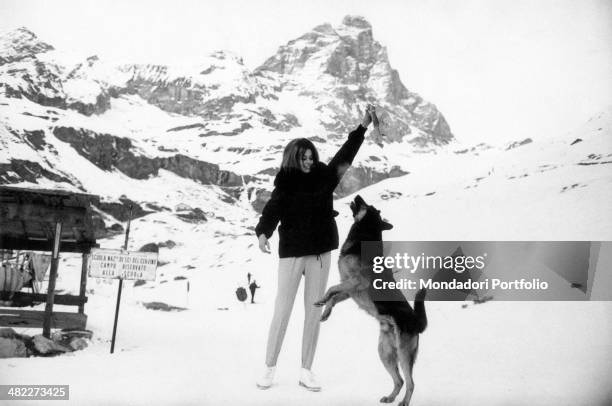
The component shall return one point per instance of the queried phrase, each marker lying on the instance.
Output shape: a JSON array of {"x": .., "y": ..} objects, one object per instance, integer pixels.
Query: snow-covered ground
[
  {"x": 497, "y": 353},
  {"x": 511, "y": 353}
]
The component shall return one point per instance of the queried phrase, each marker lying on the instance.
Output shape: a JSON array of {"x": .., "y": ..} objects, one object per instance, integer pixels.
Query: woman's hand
[
  {"x": 367, "y": 118},
  {"x": 264, "y": 245}
]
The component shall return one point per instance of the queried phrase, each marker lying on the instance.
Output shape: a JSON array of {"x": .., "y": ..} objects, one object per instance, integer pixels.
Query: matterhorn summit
[{"x": 346, "y": 62}]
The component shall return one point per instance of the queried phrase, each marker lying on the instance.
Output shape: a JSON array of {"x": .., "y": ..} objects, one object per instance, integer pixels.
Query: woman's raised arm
[{"x": 345, "y": 155}]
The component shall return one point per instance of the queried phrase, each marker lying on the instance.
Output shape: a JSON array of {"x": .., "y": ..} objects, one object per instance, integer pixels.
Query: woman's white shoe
[
  {"x": 308, "y": 380},
  {"x": 266, "y": 379}
]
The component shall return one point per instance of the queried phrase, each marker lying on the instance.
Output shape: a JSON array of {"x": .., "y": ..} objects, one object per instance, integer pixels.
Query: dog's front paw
[
  {"x": 325, "y": 314},
  {"x": 387, "y": 399}
]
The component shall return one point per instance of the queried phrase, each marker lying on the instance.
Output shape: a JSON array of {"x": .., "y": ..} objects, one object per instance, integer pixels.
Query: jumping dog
[{"x": 400, "y": 324}]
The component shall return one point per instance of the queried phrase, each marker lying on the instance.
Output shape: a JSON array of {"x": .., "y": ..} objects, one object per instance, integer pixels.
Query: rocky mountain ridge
[{"x": 214, "y": 123}]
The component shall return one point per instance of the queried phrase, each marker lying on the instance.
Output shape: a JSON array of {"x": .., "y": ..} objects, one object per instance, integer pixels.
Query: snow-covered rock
[
  {"x": 45, "y": 346},
  {"x": 12, "y": 348},
  {"x": 20, "y": 44}
]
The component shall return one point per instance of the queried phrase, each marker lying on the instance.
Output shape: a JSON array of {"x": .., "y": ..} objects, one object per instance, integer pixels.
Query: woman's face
[{"x": 306, "y": 161}]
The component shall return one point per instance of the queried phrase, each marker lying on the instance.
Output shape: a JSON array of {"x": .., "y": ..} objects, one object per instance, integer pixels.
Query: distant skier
[{"x": 253, "y": 287}]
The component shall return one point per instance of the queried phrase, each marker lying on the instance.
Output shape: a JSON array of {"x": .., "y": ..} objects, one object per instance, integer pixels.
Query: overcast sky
[{"x": 498, "y": 70}]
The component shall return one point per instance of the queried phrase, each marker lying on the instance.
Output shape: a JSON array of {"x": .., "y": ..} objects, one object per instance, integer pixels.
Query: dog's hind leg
[
  {"x": 331, "y": 303},
  {"x": 387, "y": 351},
  {"x": 407, "y": 346}
]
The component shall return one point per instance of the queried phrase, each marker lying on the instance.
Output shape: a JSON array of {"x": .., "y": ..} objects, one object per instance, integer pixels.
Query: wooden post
[
  {"x": 116, "y": 316},
  {"x": 82, "y": 290},
  {"x": 52, "y": 276},
  {"x": 125, "y": 246}
]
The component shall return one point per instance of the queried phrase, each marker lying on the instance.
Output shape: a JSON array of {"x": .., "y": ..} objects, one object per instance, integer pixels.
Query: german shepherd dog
[{"x": 400, "y": 324}]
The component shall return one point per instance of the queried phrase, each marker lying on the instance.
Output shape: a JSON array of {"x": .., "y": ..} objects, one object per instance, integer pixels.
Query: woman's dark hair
[{"x": 295, "y": 150}]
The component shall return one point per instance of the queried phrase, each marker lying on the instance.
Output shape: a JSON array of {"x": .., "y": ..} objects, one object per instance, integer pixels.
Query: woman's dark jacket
[{"x": 303, "y": 203}]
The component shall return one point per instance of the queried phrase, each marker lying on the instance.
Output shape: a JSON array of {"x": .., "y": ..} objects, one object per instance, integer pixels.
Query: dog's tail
[{"x": 419, "y": 310}]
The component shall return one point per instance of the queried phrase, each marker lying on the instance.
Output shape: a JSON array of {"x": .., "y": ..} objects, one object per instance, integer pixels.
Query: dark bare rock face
[
  {"x": 19, "y": 170},
  {"x": 356, "y": 177},
  {"x": 121, "y": 209},
  {"x": 108, "y": 151},
  {"x": 517, "y": 144},
  {"x": 261, "y": 198}
]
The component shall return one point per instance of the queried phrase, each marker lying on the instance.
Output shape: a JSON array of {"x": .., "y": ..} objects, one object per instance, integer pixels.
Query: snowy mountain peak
[
  {"x": 356, "y": 21},
  {"x": 92, "y": 59},
  {"x": 226, "y": 55},
  {"x": 344, "y": 66},
  {"x": 20, "y": 43},
  {"x": 344, "y": 51},
  {"x": 218, "y": 72},
  {"x": 20, "y": 31},
  {"x": 325, "y": 28}
]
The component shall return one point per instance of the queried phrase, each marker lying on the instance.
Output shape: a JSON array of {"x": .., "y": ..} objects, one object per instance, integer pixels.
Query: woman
[{"x": 302, "y": 201}]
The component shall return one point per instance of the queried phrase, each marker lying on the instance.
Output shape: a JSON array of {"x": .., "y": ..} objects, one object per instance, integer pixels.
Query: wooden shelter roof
[{"x": 28, "y": 218}]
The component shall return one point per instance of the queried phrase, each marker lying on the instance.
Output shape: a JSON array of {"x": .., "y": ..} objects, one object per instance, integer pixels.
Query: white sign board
[{"x": 104, "y": 263}]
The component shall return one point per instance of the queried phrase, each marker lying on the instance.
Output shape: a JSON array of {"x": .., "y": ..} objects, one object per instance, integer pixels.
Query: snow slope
[{"x": 497, "y": 353}]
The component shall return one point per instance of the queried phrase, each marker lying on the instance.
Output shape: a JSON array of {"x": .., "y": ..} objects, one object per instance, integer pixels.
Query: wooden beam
[
  {"x": 36, "y": 212},
  {"x": 13, "y": 243},
  {"x": 52, "y": 278},
  {"x": 21, "y": 299},
  {"x": 35, "y": 319},
  {"x": 82, "y": 290},
  {"x": 12, "y": 217}
]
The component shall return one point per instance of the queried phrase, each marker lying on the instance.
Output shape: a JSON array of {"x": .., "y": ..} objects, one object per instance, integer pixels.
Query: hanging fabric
[
  {"x": 40, "y": 263},
  {"x": 11, "y": 279}
]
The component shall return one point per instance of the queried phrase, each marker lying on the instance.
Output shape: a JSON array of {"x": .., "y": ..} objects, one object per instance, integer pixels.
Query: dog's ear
[
  {"x": 359, "y": 201},
  {"x": 354, "y": 208},
  {"x": 357, "y": 205},
  {"x": 359, "y": 208},
  {"x": 385, "y": 226}
]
